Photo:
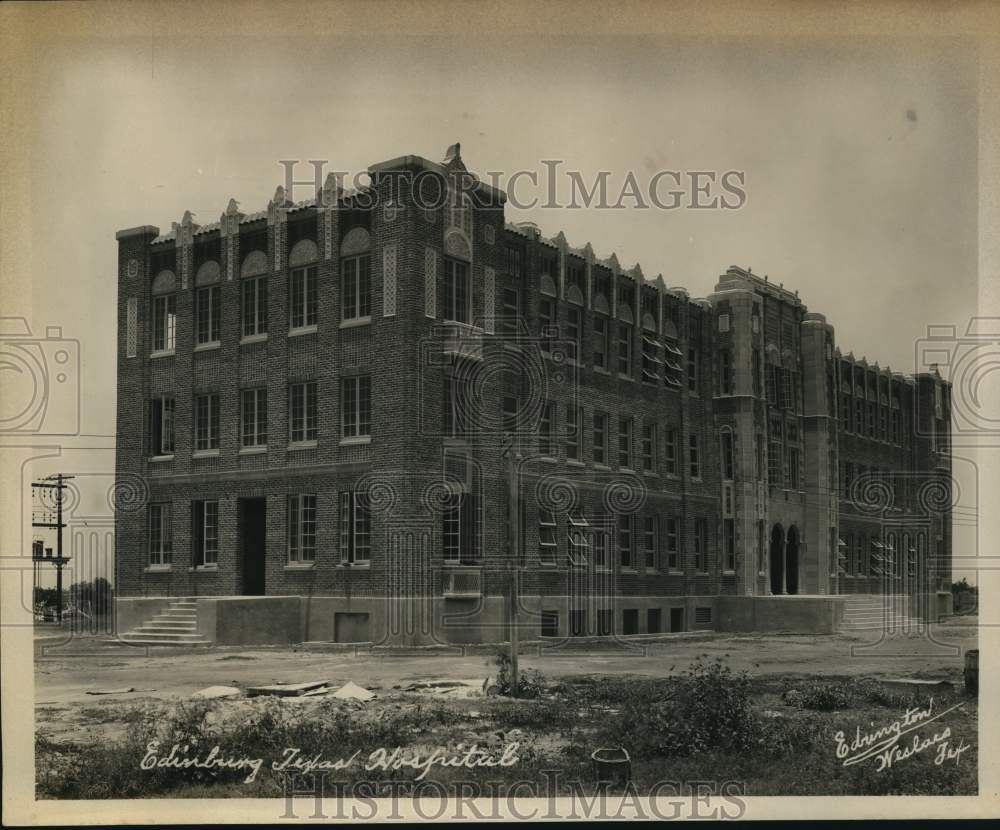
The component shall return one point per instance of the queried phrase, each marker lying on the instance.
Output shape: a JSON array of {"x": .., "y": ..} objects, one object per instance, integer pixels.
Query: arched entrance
[
  {"x": 777, "y": 559},
  {"x": 792, "y": 561}
]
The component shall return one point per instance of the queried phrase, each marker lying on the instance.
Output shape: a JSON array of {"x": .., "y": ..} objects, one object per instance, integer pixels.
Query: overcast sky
[{"x": 859, "y": 156}]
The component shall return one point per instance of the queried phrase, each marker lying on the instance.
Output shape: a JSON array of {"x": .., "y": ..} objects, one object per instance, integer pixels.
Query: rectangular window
[
  {"x": 624, "y": 349},
  {"x": 546, "y": 322},
  {"x": 547, "y": 547},
  {"x": 694, "y": 460},
  {"x": 356, "y": 406},
  {"x": 510, "y": 323},
  {"x": 302, "y": 298},
  {"x": 600, "y": 438},
  {"x": 692, "y": 370},
  {"x": 164, "y": 323},
  {"x": 302, "y": 528},
  {"x": 700, "y": 545},
  {"x": 160, "y": 534},
  {"x": 546, "y": 425},
  {"x": 774, "y": 473},
  {"x": 253, "y": 417},
  {"x": 651, "y": 362},
  {"x": 161, "y": 428},
  {"x": 573, "y": 430},
  {"x": 649, "y": 541},
  {"x": 357, "y": 287},
  {"x": 302, "y": 418},
  {"x": 514, "y": 261},
  {"x": 729, "y": 540},
  {"x": 671, "y": 452},
  {"x": 457, "y": 422},
  {"x": 600, "y": 342},
  {"x": 728, "y": 467},
  {"x": 756, "y": 367},
  {"x": 726, "y": 372},
  {"x": 624, "y": 441},
  {"x": 579, "y": 545},
  {"x": 649, "y": 448},
  {"x": 205, "y": 532},
  {"x": 625, "y": 541},
  {"x": 254, "y": 306},
  {"x": 793, "y": 468},
  {"x": 355, "y": 529},
  {"x": 673, "y": 546},
  {"x": 457, "y": 292},
  {"x": 601, "y": 547},
  {"x": 206, "y": 422},
  {"x": 574, "y": 329}
]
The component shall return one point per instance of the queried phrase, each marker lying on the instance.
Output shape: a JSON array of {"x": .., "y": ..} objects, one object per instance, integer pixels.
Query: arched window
[{"x": 164, "y": 311}]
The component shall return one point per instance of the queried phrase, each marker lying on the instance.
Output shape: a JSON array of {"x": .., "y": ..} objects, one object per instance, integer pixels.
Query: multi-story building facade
[{"x": 376, "y": 411}]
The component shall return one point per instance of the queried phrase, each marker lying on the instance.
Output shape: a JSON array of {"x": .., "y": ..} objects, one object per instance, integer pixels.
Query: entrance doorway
[
  {"x": 792, "y": 561},
  {"x": 676, "y": 619},
  {"x": 251, "y": 518},
  {"x": 777, "y": 557}
]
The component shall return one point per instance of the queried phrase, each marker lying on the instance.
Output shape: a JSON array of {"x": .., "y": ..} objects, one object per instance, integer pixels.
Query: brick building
[{"x": 332, "y": 404}]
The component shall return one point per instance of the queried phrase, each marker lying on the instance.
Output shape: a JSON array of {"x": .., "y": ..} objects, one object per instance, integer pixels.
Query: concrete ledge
[{"x": 131, "y": 612}]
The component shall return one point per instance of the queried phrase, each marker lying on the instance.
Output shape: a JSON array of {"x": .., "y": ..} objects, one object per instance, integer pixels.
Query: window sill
[
  {"x": 355, "y": 322},
  {"x": 601, "y": 370},
  {"x": 205, "y": 454},
  {"x": 303, "y": 330},
  {"x": 204, "y": 569},
  {"x": 547, "y": 459},
  {"x": 652, "y": 571},
  {"x": 623, "y": 376},
  {"x": 625, "y": 570},
  {"x": 301, "y": 445},
  {"x": 253, "y": 338},
  {"x": 158, "y": 569},
  {"x": 257, "y": 449},
  {"x": 675, "y": 572},
  {"x": 624, "y": 468},
  {"x": 164, "y": 353},
  {"x": 729, "y": 572},
  {"x": 155, "y": 459},
  {"x": 573, "y": 462},
  {"x": 701, "y": 573},
  {"x": 208, "y": 347},
  {"x": 355, "y": 441},
  {"x": 598, "y": 466},
  {"x": 355, "y": 566},
  {"x": 651, "y": 473},
  {"x": 299, "y": 566}
]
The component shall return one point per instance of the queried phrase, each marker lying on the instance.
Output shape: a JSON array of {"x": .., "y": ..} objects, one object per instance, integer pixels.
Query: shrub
[
  {"x": 530, "y": 683},
  {"x": 826, "y": 697},
  {"x": 705, "y": 708}
]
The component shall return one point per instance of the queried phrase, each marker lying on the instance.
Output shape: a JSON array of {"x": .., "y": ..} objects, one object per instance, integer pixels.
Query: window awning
[{"x": 672, "y": 347}]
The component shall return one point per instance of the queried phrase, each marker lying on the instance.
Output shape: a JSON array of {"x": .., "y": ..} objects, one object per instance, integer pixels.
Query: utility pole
[
  {"x": 59, "y": 561},
  {"x": 514, "y": 572}
]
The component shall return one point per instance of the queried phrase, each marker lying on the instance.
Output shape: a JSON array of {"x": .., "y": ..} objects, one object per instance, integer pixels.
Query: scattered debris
[
  {"x": 322, "y": 690},
  {"x": 352, "y": 691},
  {"x": 285, "y": 689},
  {"x": 450, "y": 688},
  {"x": 212, "y": 692}
]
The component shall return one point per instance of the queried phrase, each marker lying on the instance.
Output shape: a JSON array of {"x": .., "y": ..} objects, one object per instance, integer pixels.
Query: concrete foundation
[{"x": 285, "y": 620}]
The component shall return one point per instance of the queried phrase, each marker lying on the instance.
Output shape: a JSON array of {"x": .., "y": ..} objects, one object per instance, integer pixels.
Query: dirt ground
[{"x": 66, "y": 672}]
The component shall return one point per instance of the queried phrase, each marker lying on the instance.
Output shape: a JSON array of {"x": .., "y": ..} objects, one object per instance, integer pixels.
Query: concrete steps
[
  {"x": 887, "y": 612},
  {"x": 177, "y": 625}
]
